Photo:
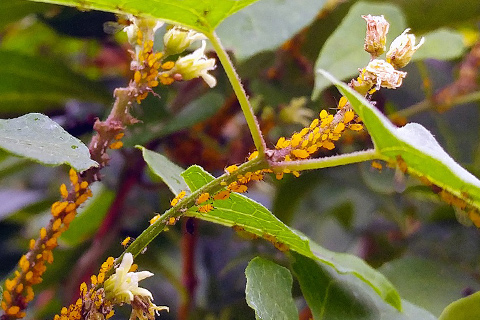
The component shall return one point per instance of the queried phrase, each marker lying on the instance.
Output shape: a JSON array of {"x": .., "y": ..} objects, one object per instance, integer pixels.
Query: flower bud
[
  {"x": 383, "y": 74},
  {"x": 376, "y": 36},
  {"x": 195, "y": 65},
  {"x": 402, "y": 49},
  {"x": 177, "y": 40}
]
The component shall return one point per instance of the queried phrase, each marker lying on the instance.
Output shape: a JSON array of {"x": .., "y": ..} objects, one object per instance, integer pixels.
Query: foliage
[{"x": 353, "y": 213}]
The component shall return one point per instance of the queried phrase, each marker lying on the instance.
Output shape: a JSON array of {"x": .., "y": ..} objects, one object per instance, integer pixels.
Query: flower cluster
[
  {"x": 152, "y": 68},
  {"x": 18, "y": 291},
  {"x": 381, "y": 73}
]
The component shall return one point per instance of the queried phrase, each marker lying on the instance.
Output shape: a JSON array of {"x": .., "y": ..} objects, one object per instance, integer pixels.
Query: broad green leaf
[
  {"x": 431, "y": 284},
  {"x": 239, "y": 211},
  {"x": 37, "y": 137},
  {"x": 168, "y": 171},
  {"x": 269, "y": 290},
  {"x": 442, "y": 44},
  {"x": 203, "y": 16},
  {"x": 417, "y": 147},
  {"x": 31, "y": 83},
  {"x": 463, "y": 309},
  {"x": 342, "y": 54},
  {"x": 13, "y": 10},
  {"x": 325, "y": 296},
  {"x": 249, "y": 32},
  {"x": 89, "y": 217},
  {"x": 334, "y": 296}
]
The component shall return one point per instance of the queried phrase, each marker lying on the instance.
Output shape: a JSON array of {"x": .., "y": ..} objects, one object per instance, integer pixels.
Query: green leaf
[
  {"x": 36, "y": 83},
  {"x": 203, "y": 16},
  {"x": 442, "y": 44},
  {"x": 248, "y": 32},
  {"x": 463, "y": 309},
  {"x": 269, "y": 290},
  {"x": 431, "y": 284},
  {"x": 37, "y": 137},
  {"x": 334, "y": 296},
  {"x": 89, "y": 217},
  {"x": 168, "y": 171},
  {"x": 254, "y": 218},
  {"x": 13, "y": 10},
  {"x": 416, "y": 145},
  {"x": 342, "y": 54}
]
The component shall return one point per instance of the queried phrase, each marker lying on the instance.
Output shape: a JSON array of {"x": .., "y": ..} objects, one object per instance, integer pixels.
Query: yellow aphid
[
  {"x": 154, "y": 219},
  {"x": 181, "y": 194},
  {"x": 206, "y": 208},
  {"x": 174, "y": 202},
  {"x": 349, "y": 115},
  {"x": 356, "y": 127},
  {"x": 137, "y": 77},
  {"x": 312, "y": 149},
  {"x": 279, "y": 175},
  {"x": 300, "y": 153},
  {"x": 119, "y": 136},
  {"x": 64, "y": 191},
  {"x": 168, "y": 65},
  {"x": 231, "y": 168},
  {"x": 280, "y": 143},
  {"x": 377, "y": 165},
  {"x": 222, "y": 195},
  {"x": 329, "y": 145},
  {"x": 253, "y": 155},
  {"x": 203, "y": 197},
  {"x": 116, "y": 145},
  {"x": 296, "y": 174},
  {"x": 235, "y": 187},
  {"x": 172, "y": 221},
  {"x": 126, "y": 241},
  {"x": 323, "y": 114},
  {"x": 339, "y": 128},
  {"x": 314, "y": 123},
  {"x": 343, "y": 101}
]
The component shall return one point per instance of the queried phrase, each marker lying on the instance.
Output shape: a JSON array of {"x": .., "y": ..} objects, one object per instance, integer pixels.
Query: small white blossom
[
  {"x": 177, "y": 39},
  {"x": 402, "y": 49},
  {"x": 383, "y": 74},
  {"x": 122, "y": 286},
  {"x": 195, "y": 65}
]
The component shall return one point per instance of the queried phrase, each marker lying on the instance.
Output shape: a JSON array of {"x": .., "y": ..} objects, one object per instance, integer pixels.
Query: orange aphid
[
  {"x": 231, "y": 168},
  {"x": 253, "y": 155},
  {"x": 356, "y": 127},
  {"x": 222, "y": 195},
  {"x": 203, "y": 197},
  {"x": 116, "y": 145},
  {"x": 154, "y": 219},
  {"x": 63, "y": 191},
  {"x": 206, "y": 208},
  {"x": 300, "y": 153}
]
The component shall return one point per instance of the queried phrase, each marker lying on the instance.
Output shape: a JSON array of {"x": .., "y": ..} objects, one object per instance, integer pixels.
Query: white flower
[
  {"x": 122, "y": 286},
  {"x": 177, "y": 39},
  {"x": 383, "y": 74},
  {"x": 195, "y": 65},
  {"x": 147, "y": 28},
  {"x": 402, "y": 49}
]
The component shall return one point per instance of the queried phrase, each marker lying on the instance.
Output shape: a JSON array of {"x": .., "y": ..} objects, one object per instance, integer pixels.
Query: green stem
[
  {"x": 332, "y": 161},
  {"x": 239, "y": 92},
  {"x": 428, "y": 104},
  {"x": 187, "y": 202}
]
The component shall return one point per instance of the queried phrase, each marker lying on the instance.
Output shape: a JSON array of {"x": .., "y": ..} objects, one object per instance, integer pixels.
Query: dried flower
[
  {"x": 376, "y": 36},
  {"x": 402, "y": 49},
  {"x": 195, "y": 65},
  {"x": 383, "y": 74}
]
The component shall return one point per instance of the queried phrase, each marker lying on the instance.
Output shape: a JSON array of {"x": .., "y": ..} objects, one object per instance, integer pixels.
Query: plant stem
[
  {"x": 332, "y": 161},
  {"x": 240, "y": 93}
]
